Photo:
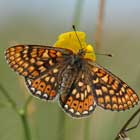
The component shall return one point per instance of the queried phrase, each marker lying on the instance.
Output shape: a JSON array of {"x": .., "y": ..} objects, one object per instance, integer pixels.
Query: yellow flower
[{"x": 70, "y": 41}]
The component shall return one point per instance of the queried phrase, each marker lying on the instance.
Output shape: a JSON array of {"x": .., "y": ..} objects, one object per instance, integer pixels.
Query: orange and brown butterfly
[{"x": 68, "y": 70}]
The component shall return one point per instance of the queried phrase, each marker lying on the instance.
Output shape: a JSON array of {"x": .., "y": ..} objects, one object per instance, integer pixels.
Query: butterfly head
[{"x": 69, "y": 40}]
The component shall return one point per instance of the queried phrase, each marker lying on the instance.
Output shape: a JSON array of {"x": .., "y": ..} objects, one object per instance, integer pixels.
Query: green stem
[
  {"x": 10, "y": 100},
  {"x": 127, "y": 123},
  {"x": 78, "y": 11},
  {"x": 21, "y": 113},
  {"x": 61, "y": 126},
  {"x": 25, "y": 125},
  {"x": 100, "y": 23},
  {"x": 87, "y": 129},
  {"x": 27, "y": 103},
  {"x": 23, "y": 116}
]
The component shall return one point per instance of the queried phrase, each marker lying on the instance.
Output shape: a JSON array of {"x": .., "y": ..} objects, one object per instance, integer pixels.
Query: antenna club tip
[
  {"x": 73, "y": 26},
  {"x": 110, "y": 55}
]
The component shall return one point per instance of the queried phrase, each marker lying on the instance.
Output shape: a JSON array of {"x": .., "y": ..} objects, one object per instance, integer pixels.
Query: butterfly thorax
[
  {"x": 70, "y": 73},
  {"x": 81, "y": 53}
]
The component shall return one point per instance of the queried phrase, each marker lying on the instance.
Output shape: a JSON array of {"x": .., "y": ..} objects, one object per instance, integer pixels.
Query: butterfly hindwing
[
  {"x": 110, "y": 91},
  {"x": 46, "y": 86},
  {"x": 31, "y": 61},
  {"x": 78, "y": 101}
]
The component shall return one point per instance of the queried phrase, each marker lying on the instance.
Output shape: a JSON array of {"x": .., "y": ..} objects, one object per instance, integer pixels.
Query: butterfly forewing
[
  {"x": 31, "y": 61},
  {"x": 78, "y": 100},
  {"x": 111, "y": 92}
]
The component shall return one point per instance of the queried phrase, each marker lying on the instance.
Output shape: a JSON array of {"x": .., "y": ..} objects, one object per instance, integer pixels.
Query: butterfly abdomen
[{"x": 67, "y": 78}]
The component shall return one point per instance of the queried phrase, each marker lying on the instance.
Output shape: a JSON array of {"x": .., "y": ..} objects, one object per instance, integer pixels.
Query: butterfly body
[{"x": 73, "y": 76}]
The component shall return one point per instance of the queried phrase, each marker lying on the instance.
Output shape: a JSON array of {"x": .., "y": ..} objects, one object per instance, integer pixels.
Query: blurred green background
[{"x": 40, "y": 22}]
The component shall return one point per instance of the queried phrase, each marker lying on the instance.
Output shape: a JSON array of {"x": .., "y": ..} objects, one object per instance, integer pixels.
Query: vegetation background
[{"x": 40, "y": 22}]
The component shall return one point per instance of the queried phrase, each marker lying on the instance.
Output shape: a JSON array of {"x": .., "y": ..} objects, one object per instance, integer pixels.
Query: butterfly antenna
[
  {"x": 105, "y": 54},
  {"x": 74, "y": 28}
]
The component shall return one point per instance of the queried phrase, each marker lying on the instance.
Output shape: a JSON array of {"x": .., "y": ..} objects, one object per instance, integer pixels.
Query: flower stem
[
  {"x": 25, "y": 124},
  {"x": 61, "y": 126},
  {"x": 78, "y": 11},
  {"x": 22, "y": 113},
  {"x": 7, "y": 96},
  {"x": 87, "y": 129},
  {"x": 24, "y": 119},
  {"x": 127, "y": 123},
  {"x": 100, "y": 23}
]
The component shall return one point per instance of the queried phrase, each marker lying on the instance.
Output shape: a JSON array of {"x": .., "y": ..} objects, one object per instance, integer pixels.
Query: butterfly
[{"x": 69, "y": 74}]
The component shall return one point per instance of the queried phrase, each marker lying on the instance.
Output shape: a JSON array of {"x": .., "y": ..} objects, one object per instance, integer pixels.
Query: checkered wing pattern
[
  {"x": 111, "y": 92},
  {"x": 32, "y": 61},
  {"x": 78, "y": 100},
  {"x": 46, "y": 86}
]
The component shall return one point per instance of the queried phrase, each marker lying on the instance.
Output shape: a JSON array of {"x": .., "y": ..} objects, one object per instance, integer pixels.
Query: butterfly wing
[
  {"x": 77, "y": 100},
  {"x": 46, "y": 86},
  {"x": 110, "y": 91},
  {"x": 33, "y": 61}
]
